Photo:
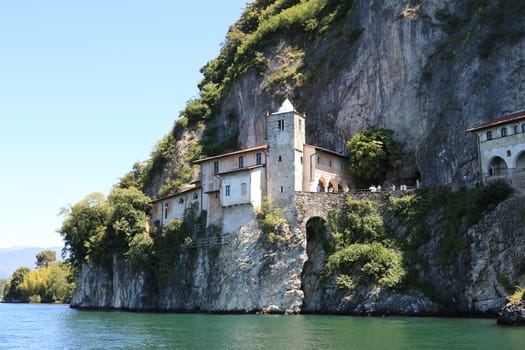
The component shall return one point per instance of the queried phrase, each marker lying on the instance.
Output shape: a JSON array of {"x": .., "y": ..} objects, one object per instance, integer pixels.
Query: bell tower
[{"x": 285, "y": 130}]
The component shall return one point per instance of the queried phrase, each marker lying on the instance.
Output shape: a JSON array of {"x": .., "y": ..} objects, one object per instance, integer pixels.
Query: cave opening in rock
[{"x": 317, "y": 237}]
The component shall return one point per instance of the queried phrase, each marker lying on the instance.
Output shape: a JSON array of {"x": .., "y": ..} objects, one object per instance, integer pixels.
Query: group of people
[{"x": 378, "y": 188}]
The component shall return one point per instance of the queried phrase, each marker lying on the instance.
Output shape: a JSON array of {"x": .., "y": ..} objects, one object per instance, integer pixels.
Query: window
[
  {"x": 195, "y": 196},
  {"x": 181, "y": 200},
  {"x": 280, "y": 124},
  {"x": 166, "y": 210},
  {"x": 489, "y": 135},
  {"x": 318, "y": 160},
  {"x": 522, "y": 127},
  {"x": 243, "y": 189},
  {"x": 280, "y": 158},
  {"x": 258, "y": 159},
  {"x": 330, "y": 163},
  {"x": 282, "y": 189},
  {"x": 227, "y": 191},
  {"x": 216, "y": 166},
  {"x": 301, "y": 160},
  {"x": 509, "y": 153},
  {"x": 503, "y": 132},
  {"x": 516, "y": 129},
  {"x": 241, "y": 162},
  {"x": 300, "y": 124}
]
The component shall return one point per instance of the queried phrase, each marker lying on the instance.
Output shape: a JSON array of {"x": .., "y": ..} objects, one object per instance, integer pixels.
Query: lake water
[{"x": 59, "y": 327}]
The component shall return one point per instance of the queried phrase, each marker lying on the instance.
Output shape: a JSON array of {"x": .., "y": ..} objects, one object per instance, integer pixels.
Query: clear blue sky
[{"x": 86, "y": 89}]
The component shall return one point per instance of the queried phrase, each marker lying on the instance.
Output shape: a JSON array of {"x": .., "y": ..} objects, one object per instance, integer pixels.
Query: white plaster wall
[
  {"x": 235, "y": 181},
  {"x": 258, "y": 186},
  {"x": 498, "y": 147},
  {"x": 235, "y": 217}
]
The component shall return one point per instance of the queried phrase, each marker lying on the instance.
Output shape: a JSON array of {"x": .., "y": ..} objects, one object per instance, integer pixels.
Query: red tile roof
[
  {"x": 231, "y": 153},
  {"x": 498, "y": 121}
]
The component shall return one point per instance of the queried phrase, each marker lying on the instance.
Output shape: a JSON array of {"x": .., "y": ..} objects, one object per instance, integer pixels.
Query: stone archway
[
  {"x": 316, "y": 238},
  {"x": 520, "y": 161},
  {"x": 497, "y": 167},
  {"x": 321, "y": 186}
]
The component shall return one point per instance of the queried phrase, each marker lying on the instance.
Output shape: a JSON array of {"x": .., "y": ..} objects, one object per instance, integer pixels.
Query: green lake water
[{"x": 59, "y": 327}]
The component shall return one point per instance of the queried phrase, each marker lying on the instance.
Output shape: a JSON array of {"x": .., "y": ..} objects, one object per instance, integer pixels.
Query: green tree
[
  {"x": 45, "y": 257},
  {"x": 84, "y": 227},
  {"x": 129, "y": 209},
  {"x": 372, "y": 153},
  {"x": 13, "y": 292}
]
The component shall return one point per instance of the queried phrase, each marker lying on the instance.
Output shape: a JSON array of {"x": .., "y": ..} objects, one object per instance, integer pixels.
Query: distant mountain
[{"x": 15, "y": 257}]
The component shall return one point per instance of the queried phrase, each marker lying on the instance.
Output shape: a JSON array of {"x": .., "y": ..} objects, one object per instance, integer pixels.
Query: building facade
[
  {"x": 501, "y": 149},
  {"x": 232, "y": 186}
]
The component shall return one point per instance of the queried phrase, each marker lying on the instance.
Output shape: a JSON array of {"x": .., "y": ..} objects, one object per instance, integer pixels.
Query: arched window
[
  {"x": 166, "y": 210},
  {"x": 503, "y": 132},
  {"x": 489, "y": 135},
  {"x": 516, "y": 129},
  {"x": 523, "y": 127}
]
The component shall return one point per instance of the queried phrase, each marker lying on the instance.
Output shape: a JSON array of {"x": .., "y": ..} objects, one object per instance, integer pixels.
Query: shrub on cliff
[
  {"x": 372, "y": 153},
  {"x": 365, "y": 263}
]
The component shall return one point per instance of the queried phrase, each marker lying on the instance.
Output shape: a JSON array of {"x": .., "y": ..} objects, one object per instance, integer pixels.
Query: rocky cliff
[
  {"x": 426, "y": 69},
  {"x": 246, "y": 273}
]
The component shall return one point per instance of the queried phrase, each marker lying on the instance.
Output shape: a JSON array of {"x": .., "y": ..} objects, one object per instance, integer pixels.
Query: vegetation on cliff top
[
  {"x": 369, "y": 248},
  {"x": 263, "y": 24}
]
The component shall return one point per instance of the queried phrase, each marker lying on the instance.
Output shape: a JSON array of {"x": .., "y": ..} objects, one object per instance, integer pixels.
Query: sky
[{"x": 87, "y": 88}]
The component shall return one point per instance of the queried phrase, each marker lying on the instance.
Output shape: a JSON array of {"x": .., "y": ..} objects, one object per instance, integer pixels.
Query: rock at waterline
[{"x": 513, "y": 314}]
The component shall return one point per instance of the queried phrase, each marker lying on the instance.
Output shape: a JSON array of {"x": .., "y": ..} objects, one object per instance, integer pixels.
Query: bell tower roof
[{"x": 286, "y": 107}]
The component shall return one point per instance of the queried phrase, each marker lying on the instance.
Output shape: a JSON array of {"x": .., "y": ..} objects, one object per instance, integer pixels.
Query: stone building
[
  {"x": 501, "y": 149},
  {"x": 233, "y": 185}
]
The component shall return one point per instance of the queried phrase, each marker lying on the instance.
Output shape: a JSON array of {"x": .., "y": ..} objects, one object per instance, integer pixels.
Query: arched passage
[
  {"x": 497, "y": 167},
  {"x": 520, "y": 161},
  {"x": 316, "y": 238},
  {"x": 321, "y": 186}
]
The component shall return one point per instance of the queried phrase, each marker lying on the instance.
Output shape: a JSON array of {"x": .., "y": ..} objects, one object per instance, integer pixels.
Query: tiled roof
[
  {"x": 498, "y": 121},
  {"x": 231, "y": 153},
  {"x": 326, "y": 150},
  {"x": 187, "y": 188}
]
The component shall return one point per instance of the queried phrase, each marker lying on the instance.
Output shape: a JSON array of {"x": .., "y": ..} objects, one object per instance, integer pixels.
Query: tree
[
  {"x": 84, "y": 227},
  {"x": 45, "y": 257},
  {"x": 372, "y": 153},
  {"x": 13, "y": 292},
  {"x": 128, "y": 218}
]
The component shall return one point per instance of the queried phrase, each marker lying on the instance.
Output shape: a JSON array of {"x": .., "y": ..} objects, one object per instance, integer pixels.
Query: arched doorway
[
  {"x": 520, "y": 161},
  {"x": 316, "y": 239},
  {"x": 321, "y": 186},
  {"x": 497, "y": 167}
]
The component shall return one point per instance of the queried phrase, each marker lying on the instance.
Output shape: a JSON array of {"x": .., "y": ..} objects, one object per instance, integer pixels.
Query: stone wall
[{"x": 312, "y": 204}]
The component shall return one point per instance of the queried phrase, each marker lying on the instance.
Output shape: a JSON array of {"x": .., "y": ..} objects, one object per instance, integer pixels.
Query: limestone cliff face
[
  {"x": 427, "y": 71},
  {"x": 246, "y": 274}
]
